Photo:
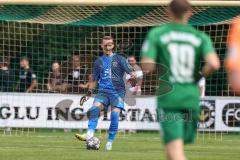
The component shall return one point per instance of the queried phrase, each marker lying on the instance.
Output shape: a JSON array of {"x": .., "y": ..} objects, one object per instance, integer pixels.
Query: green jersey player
[{"x": 179, "y": 47}]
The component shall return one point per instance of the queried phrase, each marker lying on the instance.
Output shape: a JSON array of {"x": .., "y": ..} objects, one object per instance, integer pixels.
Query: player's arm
[
  {"x": 149, "y": 53},
  {"x": 148, "y": 64},
  {"x": 95, "y": 76},
  {"x": 233, "y": 54},
  {"x": 60, "y": 88},
  {"x": 93, "y": 82},
  {"x": 49, "y": 87},
  {"x": 33, "y": 84},
  {"x": 49, "y": 84},
  {"x": 87, "y": 84},
  {"x": 92, "y": 86},
  {"x": 212, "y": 62},
  {"x": 17, "y": 88}
]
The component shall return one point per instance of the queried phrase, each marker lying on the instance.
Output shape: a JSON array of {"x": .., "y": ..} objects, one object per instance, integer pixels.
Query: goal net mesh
[{"x": 46, "y": 34}]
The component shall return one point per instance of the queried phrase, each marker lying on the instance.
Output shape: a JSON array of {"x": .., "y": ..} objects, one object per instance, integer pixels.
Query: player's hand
[
  {"x": 133, "y": 79},
  {"x": 133, "y": 82},
  {"x": 85, "y": 98}
]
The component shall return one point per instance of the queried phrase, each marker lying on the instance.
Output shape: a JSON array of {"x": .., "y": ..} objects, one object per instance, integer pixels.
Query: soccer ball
[{"x": 93, "y": 143}]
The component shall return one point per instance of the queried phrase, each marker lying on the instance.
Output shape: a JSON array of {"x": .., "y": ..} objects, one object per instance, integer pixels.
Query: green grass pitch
[{"x": 43, "y": 145}]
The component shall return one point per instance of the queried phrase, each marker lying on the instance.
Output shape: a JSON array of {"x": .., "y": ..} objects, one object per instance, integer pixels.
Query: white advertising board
[
  {"x": 63, "y": 111},
  {"x": 26, "y": 110}
]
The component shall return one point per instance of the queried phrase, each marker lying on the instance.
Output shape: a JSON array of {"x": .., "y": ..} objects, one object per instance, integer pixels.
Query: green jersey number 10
[{"x": 181, "y": 63}]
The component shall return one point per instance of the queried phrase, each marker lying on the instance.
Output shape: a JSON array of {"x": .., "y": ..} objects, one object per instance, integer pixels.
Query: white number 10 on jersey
[{"x": 181, "y": 63}]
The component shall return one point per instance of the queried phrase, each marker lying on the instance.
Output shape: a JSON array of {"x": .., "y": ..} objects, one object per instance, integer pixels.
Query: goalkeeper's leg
[
  {"x": 117, "y": 103},
  {"x": 93, "y": 115},
  {"x": 113, "y": 127}
]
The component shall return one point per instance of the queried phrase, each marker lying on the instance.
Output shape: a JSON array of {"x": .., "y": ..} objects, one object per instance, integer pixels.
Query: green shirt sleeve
[
  {"x": 207, "y": 46},
  {"x": 149, "y": 48}
]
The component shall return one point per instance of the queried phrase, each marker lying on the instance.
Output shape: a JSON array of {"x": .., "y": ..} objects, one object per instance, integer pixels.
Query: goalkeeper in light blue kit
[{"x": 108, "y": 72}]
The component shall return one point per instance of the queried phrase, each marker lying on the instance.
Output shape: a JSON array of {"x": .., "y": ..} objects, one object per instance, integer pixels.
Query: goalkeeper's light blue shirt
[{"x": 109, "y": 72}]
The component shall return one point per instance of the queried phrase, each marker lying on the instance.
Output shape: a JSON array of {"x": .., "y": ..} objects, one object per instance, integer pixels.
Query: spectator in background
[
  {"x": 56, "y": 79},
  {"x": 86, "y": 85},
  {"x": 27, "y": 79},
  {"x": 77, "y": 75},
  {"x": 7, "y": 77},
  {"x": 139, "y": 74}
]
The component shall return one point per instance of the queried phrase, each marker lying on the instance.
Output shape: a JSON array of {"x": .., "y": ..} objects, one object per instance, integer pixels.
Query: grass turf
[{"x": 58, "y": 145}]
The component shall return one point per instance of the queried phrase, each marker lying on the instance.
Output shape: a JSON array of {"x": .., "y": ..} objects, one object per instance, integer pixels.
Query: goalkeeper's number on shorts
[{"x": 85, "y": 97}]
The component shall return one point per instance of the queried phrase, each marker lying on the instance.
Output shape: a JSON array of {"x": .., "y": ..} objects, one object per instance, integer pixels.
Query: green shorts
[{"x": 178, "y": 124}]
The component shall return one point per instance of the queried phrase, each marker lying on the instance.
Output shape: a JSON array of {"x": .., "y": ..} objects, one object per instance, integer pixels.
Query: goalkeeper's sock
[
  {"x": 93, "y": 115},
  {"x": 90, "y": 134},
  {"x": 113, "y": 126}
]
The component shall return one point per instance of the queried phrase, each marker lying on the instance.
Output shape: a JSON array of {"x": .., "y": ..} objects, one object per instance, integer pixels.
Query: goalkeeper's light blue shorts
[{"x": 110, "y": 99}]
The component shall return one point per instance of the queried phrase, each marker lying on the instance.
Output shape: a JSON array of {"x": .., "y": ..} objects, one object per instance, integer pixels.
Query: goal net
[{"x": 60, "y": 32}]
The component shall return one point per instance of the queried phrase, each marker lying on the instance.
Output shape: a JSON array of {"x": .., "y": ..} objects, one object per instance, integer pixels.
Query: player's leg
[
  {"x": 172, "y": 125},
  {"x": 117, "y": 104},
  {"x": 175, "y": 150},
  {"x": 113, "y": 128},
  {"x": 93, "y": 114},
  {"x": 190, "y": 125}
]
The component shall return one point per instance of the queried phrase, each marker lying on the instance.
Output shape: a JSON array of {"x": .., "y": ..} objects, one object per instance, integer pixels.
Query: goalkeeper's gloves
[{"x": 85, "y": 97}]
